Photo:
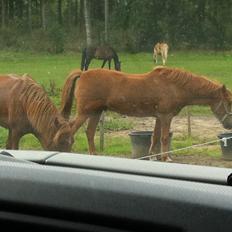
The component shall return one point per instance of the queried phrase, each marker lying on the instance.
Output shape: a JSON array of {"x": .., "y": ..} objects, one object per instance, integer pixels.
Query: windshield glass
[{"x": 127, "y": 78}]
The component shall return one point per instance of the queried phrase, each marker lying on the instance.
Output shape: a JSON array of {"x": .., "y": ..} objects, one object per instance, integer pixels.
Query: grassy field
[{"x": 46, "y": 68}]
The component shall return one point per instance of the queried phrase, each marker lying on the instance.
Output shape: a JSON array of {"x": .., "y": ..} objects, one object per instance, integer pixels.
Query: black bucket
[
  {"x": 141, "y": 142},
  {"x": 226, "y": 150}
]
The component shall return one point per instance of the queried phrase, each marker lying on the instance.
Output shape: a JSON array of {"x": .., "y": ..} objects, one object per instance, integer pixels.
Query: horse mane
[
  {"x": 39, "y": 108},
  {"x": 189, "y": 81}
]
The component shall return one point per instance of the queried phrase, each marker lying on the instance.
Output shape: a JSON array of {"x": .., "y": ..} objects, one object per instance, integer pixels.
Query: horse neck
[
  {"x": 42, "y": 119},
  {"x": 115, "y": 57},
  {"x": 202, "y": 100},
  {"x": 116, "y": 60},
  {"x": 45, "y": 130},
  {"x": 199, "y": 90}
]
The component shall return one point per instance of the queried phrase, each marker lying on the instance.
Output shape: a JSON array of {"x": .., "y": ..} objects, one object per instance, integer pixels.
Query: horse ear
[
  {"x": 226, "y": 93},
  {"x": 223, "y": 88},
  {"x": 56, "y": 122}
]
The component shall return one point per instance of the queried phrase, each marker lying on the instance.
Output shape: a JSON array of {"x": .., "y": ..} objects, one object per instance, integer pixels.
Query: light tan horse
[
  {"x": 161, "y": 93},
  {"x": 26, "y": 108},
  {"x": 161, "y": 49}
]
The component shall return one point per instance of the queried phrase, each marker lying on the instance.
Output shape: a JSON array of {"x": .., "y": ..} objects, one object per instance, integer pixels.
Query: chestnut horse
[
  {"x": 161, "y": 93},
  {"x": 161, "y": 49},
  {"x": 25, "y": 108},
  {"x": 105, "y": 53}
]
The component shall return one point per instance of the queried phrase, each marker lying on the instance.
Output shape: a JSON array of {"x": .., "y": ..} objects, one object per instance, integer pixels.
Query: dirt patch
[{"x": 201, "y": 126}]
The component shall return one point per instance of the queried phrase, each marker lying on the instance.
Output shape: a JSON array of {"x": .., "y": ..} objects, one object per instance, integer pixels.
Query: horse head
[
  {"x": 222, "y": 108},
  {"x": 63, "y": 139},
  {"x": 118, "y": 65}
]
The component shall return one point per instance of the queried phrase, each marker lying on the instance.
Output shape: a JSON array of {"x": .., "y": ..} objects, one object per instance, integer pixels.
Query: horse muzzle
[{"x": 227, "y": 122}]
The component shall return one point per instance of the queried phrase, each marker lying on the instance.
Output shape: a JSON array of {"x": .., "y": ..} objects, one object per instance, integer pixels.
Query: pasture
[{"x": 51, "y": 71}]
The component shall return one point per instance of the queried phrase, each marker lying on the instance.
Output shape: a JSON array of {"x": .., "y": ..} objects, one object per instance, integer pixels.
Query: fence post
[
  {"x": 189, "y": 122},
  {"x": 102, "y": 131}
]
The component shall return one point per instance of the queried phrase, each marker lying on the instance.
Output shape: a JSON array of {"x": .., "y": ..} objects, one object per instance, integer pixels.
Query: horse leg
[
  {"x": 8, "y": 143},
  {"x": 109, "y": 61},
  {"x": 78, "y": 122},
  {"x": 103, "y": 64},
  {"x": 163, "y": 58},
  {"x": 155, "y": 140},
  {"x": 155, "y": 57},
  {"x": 165, "y": 128},
  {"x": 90, "y": 132},
  {"x": 87, "y": 63},
  {"x": 15, "y": 136}
]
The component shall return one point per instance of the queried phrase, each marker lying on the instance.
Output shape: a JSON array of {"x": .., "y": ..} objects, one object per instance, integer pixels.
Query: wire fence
[{"x": 224, "y": 140}]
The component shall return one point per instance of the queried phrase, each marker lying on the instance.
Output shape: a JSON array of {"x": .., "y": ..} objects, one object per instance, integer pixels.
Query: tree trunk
[
  {"x": 76, "y": 6},
  {"x": 19, "y": 9},
  {"x": 106, "y": 19},
  {"x": 80, "y": 16},
  {"x": 11, "y": 10},
  {"x": 29, "y": 15},
  {"x": 69, "y": 16},
  {"x": 3, "y": 19},
  {"x": 59, "y": 12},
  {"x": 43, "y": 14},
  {"x": 87, "y": 23}
]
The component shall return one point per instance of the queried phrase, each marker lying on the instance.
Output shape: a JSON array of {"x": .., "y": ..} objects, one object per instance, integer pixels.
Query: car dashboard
[{"x": 54, "y": 191}]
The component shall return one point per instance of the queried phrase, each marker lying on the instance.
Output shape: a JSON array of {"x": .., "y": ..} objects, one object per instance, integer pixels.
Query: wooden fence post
[
  {"x": 189, "y": 122},
  {"x": 101, "y": 125}
]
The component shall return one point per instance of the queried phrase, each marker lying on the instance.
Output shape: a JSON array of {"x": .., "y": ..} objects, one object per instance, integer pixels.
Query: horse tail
[
  {"x": 68, "y": 93},
  {"x": 83, "y": 59}
]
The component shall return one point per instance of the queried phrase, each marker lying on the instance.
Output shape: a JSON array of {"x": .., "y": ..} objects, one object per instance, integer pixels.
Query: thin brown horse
[
  {"x": 161, "y": 93},
  {"x": 25, "y": 108}
]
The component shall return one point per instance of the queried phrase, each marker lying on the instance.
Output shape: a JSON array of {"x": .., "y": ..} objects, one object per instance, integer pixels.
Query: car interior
[{"x": 56, "y": 191}]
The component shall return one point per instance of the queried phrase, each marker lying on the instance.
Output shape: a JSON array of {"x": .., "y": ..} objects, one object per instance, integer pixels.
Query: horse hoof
[
  {"x": 168, "y": 159},
  {"x": 154, "y": 158}
]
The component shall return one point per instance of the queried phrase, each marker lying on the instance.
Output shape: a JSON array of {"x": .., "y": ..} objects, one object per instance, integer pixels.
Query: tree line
[{"x": 128, "y": 25}]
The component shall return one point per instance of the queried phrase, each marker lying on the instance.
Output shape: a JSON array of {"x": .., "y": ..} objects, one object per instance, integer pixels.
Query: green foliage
[
  {"x": 134, "y": 25},
  {"x": 8, "y": 38},
  {"x": 56, "y": 36}
]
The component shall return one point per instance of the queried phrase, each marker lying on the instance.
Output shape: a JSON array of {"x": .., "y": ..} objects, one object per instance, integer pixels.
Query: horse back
[
  {"x": 104, "y": 52},
  {"x": 7, "y": 82},
  {"x": 104, "y": 89},
  {"x": 160, "y": 48},
  {"x": 8, "y": 91}
]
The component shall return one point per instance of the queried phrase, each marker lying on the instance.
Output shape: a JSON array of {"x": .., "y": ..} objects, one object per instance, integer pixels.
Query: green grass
[
  {"x": 45, "y": 68},
  {"x": 116, "y": 122},
  {"x": 185, "y": 141}
]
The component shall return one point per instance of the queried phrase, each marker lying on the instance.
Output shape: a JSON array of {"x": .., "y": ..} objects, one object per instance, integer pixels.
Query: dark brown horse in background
[
  {"x": 161, "y": 93},
  {"x": 25, "y": 108},
  {"x": 105, "y": 53}
]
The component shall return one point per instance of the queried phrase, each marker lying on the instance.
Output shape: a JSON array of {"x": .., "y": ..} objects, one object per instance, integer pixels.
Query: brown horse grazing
[
  {"x": 161, "y": 93},
  {"x": 25, "y": 108},
  {"x": 160, "y": 49}
]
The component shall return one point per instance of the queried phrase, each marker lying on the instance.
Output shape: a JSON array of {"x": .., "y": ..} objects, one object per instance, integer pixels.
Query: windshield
[{"x": 136, "y": 79}]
